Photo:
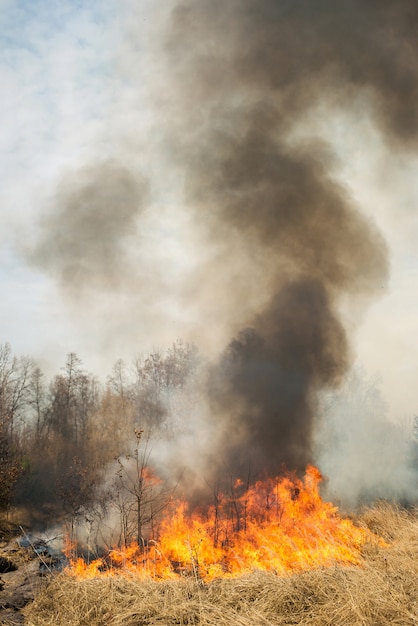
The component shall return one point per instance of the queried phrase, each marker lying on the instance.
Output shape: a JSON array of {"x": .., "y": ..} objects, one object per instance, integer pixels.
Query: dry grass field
[{"x": 382, "y": 591}]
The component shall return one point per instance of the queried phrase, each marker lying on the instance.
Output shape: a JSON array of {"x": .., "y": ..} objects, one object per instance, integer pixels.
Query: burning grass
[
  {"x": 278, "y": 525},
  {"x": 381, "y": 590}
]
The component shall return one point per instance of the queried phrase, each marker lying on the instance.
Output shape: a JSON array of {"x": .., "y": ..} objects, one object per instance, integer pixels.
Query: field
[{"x": 382, "y": 591}]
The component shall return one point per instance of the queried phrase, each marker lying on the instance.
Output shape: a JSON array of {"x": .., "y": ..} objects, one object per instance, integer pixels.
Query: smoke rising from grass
[
  {"x": 248, "y": 72},
  {"x": 364, "y": 455}
]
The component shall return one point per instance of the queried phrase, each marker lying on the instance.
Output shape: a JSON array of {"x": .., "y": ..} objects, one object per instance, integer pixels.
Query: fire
[{"x": 280, "y": 525}]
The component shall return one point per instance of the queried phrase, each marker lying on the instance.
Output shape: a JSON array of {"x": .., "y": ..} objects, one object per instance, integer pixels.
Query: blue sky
[{"x": 72, "y": 96}]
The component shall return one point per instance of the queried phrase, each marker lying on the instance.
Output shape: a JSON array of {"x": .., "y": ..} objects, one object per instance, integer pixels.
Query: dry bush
[{"x": 381, "y": 592}]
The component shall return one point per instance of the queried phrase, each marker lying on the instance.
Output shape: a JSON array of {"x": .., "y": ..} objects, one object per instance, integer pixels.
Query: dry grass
[{"x": 381, "y": 592}]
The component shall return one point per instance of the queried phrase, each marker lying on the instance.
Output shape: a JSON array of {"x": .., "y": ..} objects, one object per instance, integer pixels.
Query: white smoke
[{"x": 363, "y": 454}]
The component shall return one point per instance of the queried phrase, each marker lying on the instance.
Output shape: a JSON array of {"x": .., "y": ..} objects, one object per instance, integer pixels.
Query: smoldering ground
[{"x": 232, "y": 83}]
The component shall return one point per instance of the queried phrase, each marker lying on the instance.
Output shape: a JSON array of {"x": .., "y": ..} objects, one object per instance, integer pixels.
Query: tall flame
[{"x": 281, "y": 525}]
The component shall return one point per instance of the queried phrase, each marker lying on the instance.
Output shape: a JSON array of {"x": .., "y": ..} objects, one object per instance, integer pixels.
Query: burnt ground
[{"x": 25, "y": 566}]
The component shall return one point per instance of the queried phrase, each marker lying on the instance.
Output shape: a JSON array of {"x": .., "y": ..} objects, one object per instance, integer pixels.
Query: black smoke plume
[{"x": 246, "y": 74}]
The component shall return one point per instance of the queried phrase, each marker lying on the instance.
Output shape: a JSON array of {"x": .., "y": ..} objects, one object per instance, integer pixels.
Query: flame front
[{"x": 280, "y": 525}]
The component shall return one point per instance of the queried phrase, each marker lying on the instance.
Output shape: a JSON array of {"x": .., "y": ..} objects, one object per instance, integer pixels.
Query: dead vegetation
[{"x": 382, "y": 591}]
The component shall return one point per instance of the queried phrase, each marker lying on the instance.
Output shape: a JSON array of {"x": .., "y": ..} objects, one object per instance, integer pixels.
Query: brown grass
[{"x": 383, "y": 591}]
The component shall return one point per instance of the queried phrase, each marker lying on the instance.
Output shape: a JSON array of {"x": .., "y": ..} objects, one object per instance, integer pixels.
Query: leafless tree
[{"x": 140, "y": 496}]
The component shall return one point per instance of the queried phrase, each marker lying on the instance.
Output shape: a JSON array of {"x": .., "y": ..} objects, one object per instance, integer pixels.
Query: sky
[{"x": 84, "y": 98}]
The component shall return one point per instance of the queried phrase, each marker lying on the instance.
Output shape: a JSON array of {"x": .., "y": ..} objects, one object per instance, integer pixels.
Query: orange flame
[{"x": 280, "y": 525}]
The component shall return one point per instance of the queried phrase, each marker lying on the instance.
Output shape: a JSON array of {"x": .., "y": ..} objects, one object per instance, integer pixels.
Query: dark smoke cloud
[
  {"x": 266, "y": 382},
  {"x": 300, "y": 51},
  {"x": 85, "y": 238},
  {"x": 244, "y": 75}
]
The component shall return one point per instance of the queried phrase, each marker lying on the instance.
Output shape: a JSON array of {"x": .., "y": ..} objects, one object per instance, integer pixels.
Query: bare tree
[
  {"x": 15, "y": 388},
  {"x": 38, "y": 404},
  {"x": 140, "y": 496}
]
